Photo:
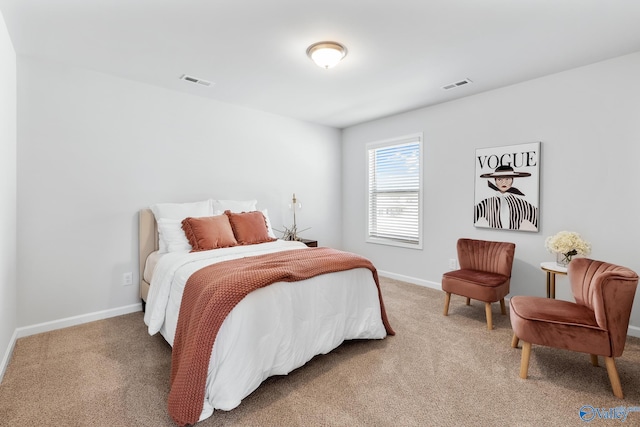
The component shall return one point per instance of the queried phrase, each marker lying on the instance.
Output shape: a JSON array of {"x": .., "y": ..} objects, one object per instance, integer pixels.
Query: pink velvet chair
[
  {"x": 484, "y": 274},
  {"x": 596, "y": 323}
]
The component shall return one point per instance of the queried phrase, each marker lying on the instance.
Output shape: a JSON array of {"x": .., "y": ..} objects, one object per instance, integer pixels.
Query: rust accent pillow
[
  {"x": 249, "y": 227},
  {"x": 210, "y": 232}
]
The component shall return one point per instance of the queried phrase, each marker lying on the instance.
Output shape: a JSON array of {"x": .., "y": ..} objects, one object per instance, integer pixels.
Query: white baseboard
[
  {"x": 25, "y": 331},
  {"x": 633, "y": 331},
  {"x": 7, "y": 354},
  {"x": 409, "y": 279}
]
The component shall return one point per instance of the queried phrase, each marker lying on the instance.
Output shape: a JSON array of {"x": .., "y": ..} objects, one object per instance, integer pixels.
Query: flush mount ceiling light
[{"x": 326, "y": 54}]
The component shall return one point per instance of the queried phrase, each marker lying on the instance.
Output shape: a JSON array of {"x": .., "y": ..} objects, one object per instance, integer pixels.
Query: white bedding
[{"x": 255, "y": 341}]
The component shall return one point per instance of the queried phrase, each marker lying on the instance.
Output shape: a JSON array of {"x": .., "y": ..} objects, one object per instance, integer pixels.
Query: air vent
[
  {"x": 195, "y": 80},
  {"x": 457, "y": 84}
]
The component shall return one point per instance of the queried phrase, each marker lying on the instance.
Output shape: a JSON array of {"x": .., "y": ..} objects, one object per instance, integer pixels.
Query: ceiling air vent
[
  {"x": 457, "y": 84},
  {"x": 195, "y": 80}
]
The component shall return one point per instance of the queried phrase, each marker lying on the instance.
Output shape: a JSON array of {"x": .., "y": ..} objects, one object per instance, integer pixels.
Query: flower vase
[{"x": 563, "y": 260}]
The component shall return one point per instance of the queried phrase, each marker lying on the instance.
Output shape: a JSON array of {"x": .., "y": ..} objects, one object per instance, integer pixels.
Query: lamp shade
[{"x": 326, "y": 54}]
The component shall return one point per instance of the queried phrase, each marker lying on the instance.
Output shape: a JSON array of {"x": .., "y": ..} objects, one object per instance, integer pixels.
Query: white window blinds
[{"x": 395, "y": 181}]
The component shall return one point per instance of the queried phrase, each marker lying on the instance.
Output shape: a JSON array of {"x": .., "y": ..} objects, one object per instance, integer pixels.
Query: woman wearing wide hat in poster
[{"x": 507, "y": 209}]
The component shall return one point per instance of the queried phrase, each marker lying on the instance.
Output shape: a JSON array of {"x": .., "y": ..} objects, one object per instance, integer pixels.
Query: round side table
[{"x": 552, "y": 268}]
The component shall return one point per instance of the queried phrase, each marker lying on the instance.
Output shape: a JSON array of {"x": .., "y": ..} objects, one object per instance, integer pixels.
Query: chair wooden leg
[
  {"x": 613, "y": 377},
  {"x": 594, "y": 360},
  {"x": 447, "y": 300},
  {"x": 468, "y": 301},
  {"x": 514, "y": 341},
  {"x": 524, "y": 359},
  {"x": 487, "y": 309},
  {"x": 503, "y": 309}
]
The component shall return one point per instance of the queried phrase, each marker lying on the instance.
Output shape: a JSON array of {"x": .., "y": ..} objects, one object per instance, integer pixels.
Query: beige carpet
[{"x": 437, "y": 371}]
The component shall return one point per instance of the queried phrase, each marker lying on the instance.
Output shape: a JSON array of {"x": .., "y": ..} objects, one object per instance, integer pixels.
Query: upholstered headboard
[{"x": 147, "y": 243}]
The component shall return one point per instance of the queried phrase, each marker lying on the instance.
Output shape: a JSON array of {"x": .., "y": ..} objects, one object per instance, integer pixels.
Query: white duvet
[{"x": 255, "y": 341}]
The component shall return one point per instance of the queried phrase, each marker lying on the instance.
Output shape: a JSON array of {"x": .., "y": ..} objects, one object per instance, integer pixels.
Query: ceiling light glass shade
[{"x": 326, "y": 54}]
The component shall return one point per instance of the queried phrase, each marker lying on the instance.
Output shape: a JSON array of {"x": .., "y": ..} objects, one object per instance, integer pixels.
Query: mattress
[{"x": 150, "y": 265}]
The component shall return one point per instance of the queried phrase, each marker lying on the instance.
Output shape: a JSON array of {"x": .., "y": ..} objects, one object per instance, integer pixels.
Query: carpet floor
[{"x": 437, "y": 371}]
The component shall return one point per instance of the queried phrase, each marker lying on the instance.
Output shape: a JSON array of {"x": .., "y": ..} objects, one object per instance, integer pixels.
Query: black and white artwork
[{"x": 507, "y": 187}]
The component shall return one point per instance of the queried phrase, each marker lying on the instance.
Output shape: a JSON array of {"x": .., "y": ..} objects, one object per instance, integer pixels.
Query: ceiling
[{"x": 401, "y": 52}]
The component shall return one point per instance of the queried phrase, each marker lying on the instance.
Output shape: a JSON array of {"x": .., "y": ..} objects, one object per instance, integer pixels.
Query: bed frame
[{"x": 147, "y": 243}]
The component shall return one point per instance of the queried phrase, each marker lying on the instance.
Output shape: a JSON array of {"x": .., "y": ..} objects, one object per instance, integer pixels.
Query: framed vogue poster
[{"x": 507, "y": 187}]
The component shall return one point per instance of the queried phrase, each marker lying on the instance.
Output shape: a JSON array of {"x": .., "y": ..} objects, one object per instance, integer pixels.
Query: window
[{"x": 395, "y": 192}]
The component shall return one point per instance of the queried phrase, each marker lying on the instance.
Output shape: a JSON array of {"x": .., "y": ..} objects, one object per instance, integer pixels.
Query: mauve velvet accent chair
[
  {"x": 596, "y": 323},
  {"x": 484, "y": 274}
]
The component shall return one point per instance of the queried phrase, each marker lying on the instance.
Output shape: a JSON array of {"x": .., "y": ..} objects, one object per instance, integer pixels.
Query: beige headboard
[{"x": 147, "y": 243}]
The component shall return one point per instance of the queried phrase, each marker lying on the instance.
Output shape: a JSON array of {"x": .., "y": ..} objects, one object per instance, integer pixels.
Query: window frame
[{"x": 397, "y": 141}]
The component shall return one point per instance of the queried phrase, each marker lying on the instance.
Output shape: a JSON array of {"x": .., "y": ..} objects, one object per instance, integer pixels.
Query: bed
[{"x": 271, "y": 331}]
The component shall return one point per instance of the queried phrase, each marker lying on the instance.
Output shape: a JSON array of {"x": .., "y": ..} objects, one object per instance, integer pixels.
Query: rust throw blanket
[{"x": 212, "y": 292}]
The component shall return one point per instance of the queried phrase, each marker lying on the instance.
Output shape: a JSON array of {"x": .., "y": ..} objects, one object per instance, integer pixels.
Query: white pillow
[
  {"x": 172, "y": 235},
  {"x": 235, "y": 206},
  {"x": 182, "y": 210},
  {"x": 177, "y": 211},
  {"x": 268, "y": 221}
]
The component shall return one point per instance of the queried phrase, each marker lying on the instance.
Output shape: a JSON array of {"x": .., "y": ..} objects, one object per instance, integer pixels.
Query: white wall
[
  {"x": 8, "y": 316},
  {"x": 588, "y": 120},
  {"x": 94, "y": 149}
]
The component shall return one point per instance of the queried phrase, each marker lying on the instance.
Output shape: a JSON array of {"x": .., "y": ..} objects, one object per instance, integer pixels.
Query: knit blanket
[{"x": 213, "y": 291}]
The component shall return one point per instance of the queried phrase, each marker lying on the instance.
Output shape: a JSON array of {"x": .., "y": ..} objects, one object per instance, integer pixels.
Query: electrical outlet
[
  {"x": 127, "y": 279},
  {"x": 453, "y": 264}
]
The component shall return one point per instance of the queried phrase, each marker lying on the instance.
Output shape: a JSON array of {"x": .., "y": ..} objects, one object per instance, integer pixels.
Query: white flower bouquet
[{"x": 567, "y": 243}]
